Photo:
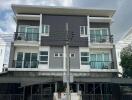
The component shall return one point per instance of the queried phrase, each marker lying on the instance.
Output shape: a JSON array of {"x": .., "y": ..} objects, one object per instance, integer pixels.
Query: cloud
[{"x": 7, "y": 24}]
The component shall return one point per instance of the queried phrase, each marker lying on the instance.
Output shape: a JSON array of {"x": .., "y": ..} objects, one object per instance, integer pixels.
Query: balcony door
[
  {"x": 99, "y": 60},
  {"x": 19, "y": 61},
  {"x": 98, "y": 35},
  {"x": 32, "y": 33},
  {"x": 30, "y": 60},
  {"x": 26, "y": 60},
  {"x": 28, "y": 33}
]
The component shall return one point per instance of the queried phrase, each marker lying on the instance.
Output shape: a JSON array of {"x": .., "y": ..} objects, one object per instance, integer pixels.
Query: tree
[{"x": 126, "y": 61}]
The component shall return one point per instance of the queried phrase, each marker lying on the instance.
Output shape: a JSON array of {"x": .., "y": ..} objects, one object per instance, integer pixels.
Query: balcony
[
  {"x": 24, "y": 64},
  {"x": 26, "y": 39},
  {"x": 26, "y": 36},
  {"x": 101, "y": 64},
  {"x": 101, "y": 41}
]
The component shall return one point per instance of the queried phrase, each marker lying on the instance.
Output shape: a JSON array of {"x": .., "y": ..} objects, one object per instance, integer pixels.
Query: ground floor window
[
  {"x": 43, "y": 57},
  {"x": 26, "y": 60}
]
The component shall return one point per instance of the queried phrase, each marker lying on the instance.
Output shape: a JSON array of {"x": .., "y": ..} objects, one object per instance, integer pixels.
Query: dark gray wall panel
[
  {"x": 58, "y": 30},
  {"x": 55, "y": 62}
]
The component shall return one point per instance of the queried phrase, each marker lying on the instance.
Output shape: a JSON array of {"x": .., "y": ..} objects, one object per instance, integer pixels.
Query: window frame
[
  {"x": 85, "y": 34},
  {"x": 101, "y": 33},
  {"x": 44, "y": 62},
  {"x": 88, "y": 57},
  {"x": 44, "y": 30}
]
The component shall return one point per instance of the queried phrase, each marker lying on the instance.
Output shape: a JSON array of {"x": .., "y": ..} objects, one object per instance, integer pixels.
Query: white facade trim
[
  {"x": 88, "y": 30},
  {"x": 40, "y": 28},
  {"x": 101, "y": 19},
  {"x": 62, "y": 70},
  {"x": 27, "y": 17}
]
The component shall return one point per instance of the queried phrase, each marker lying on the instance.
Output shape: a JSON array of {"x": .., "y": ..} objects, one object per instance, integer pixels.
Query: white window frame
[
  {"x": 88, "y": 56},
  {"x": 44, "y": 28},
  {"x": 44, "y": 56},
  {"x": 85, "y": 34}
]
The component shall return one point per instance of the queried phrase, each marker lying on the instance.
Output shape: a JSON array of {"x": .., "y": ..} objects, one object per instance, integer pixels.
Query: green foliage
[{"x": 126, "y": 61}]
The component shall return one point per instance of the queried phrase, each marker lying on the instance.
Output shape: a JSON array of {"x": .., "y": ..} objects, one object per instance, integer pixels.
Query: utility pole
[{"x": 67, "y": 64}]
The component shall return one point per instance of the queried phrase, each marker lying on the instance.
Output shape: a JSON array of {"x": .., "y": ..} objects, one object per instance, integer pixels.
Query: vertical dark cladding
[{"x": 57, "y": 35}]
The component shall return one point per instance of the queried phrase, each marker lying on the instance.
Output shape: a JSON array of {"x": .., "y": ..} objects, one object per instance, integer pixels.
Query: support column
[
  {"x": 40, "y": 28},
  {"x": 88, "y": 30}
]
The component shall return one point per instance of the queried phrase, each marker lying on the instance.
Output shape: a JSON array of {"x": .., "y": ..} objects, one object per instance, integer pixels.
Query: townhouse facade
[{"x": 38, "y": 53}]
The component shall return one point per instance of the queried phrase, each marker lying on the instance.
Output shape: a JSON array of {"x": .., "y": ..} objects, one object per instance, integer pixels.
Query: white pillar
[
  {"x": 88, "y": 30},
  {"x": 40, "y": 28}
]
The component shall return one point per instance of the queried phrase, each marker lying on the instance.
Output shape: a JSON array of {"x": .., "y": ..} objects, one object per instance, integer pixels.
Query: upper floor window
[
  {"x": 84, "y": 58},
  {"x": 29, "y": 33},
  {"x": 99, "y": 35},
  {"x": 43, "y": 58},
  {"x": 45, "y": 30},
  {"x": 83, "y": 31}
]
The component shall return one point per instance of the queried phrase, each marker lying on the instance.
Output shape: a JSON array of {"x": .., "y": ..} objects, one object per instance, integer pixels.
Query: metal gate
[
  {"x": 11, "y": 96},
  {"x": 96, "y": 97}
]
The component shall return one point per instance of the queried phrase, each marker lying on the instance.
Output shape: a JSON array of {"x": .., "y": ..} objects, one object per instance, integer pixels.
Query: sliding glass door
[
  {"x": 32, "y": 33},
  {"x": 30, "y": 60},
  {"x": 99, "y": 60},
  {"x": 26, "y": 60},
  {"x": 19, "y": 60}
]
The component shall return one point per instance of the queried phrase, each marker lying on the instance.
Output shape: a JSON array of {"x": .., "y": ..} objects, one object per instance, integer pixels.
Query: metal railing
[
  {"x": 24, "y": 64},
  {"x": 126, "y": 97},
  {"x": 11, "y": 97},
  {"x": 97, "y": 97},
  {"x": 42, "y": 97},
  {"x": 26, "y": 36},
  {"x": 101, "y": 64},
  {"x": 101, "y": 38}
]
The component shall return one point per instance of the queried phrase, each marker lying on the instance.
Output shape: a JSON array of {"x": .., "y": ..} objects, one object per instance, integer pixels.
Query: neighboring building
[
  {"x": 5, "y": 42},
  {"x": 125, "y": 40},
  {"x": 38, "y": 54},
  {"x": 2, "y": 52}
]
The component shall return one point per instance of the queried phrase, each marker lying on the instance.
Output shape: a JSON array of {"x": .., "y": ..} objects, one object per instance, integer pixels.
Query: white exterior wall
[{"x": 2, "y": 56}]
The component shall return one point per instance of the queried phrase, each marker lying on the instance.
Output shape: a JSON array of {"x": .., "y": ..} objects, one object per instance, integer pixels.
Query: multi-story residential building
[{"x": 38, "y": 55}]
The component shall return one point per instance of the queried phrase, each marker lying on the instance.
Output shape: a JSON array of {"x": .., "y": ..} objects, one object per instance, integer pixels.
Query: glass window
[
  {"x": 98, "y": 35},
  {"x": 83, "y": 30},
  {"x": 46, "y": 29},
  {"x": 43, "y": 57},
  {"x": 99, "y": 60},
  {"x": 84, "y": 58},
  {"x": 22, "y": 28},
  {"x": 19, "y": 60},
  {"x": 34, "y": 61}
]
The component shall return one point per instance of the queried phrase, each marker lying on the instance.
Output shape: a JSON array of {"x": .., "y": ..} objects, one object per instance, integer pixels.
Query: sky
[{"x": 122, "y": 18}]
